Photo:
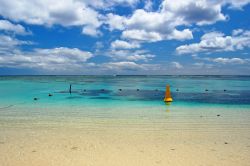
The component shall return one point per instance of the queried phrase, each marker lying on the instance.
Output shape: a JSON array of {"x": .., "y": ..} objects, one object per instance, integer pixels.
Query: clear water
[
  {"x": 97, "y": 101},
  {"x": 99, "y": 90}
]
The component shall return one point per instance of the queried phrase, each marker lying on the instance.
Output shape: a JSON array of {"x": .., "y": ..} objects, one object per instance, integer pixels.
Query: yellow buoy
[{"x": 168, "y": 97}]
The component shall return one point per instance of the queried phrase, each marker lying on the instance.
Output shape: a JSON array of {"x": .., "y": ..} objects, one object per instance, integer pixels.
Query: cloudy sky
[{"x": 124, "y": 37}]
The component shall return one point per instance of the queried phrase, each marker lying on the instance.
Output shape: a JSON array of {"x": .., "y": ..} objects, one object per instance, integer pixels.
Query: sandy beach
[{"x": 177, "y": 139}]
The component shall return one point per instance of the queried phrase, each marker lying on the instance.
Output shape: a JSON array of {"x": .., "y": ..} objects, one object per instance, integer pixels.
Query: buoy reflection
[{"x": 168, "y": 106}]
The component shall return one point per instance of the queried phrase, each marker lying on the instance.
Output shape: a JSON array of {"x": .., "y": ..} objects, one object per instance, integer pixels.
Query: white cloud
[
  {"x": 163, "y": 24},
  {"x": 152, "y": 26},
  {"x": 115, "y": 21},
  {"x": 99, "y": 45},
  {"x": 148, "y": 5},
  {"x": 229, "y": 60},
  {"x": 148, "y": 26},
  {"x": 237, "y": 32},
  {"x": 180, "y": 35},
  {"x": 87, "y": 14},
  {"x": 56, "y": 59},
  {"x": 118, "y": 67},
  {"x": 120, "y": 44},
  {"x": 236, "y": 3},
  {"x": 109, "y": 4},
  {"x": 7, "y": 42},
  {"x": 49, "y": 13},
  {"x": 201, "y": 65},
  {"x": 216, "y": 42},
  {"x": 91, "y": 31},
  {"x": 123, "y": 50},
  {"x": 130, "y": 2},
  {"x": 62, "y": 52},
  {"x": 140, "y": 57},
  {"x": 199, "y": 12},
  {"x": 223, "y": 60},
  {"x": 130, "y": 55},
  {"x": 65, "y": 13},
  {"x": 7, "y": 26},
  {"x": 142, "y": 35},
  {"x": 125, "y": 65},
  {"x": 148, "y": 21},
  {"x": 176, "y": 65}
]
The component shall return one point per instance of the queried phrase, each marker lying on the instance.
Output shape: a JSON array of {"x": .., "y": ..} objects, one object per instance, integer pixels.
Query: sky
[{"x": 107, "y": 37}]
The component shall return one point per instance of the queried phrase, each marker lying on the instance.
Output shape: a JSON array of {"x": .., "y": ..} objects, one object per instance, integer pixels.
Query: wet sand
[{"x": 192, "y": 140}]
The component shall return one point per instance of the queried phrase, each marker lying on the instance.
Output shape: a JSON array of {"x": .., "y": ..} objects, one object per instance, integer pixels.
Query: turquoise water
[
  {"x": 97, "y": 101},
  {"x": 122, "y": 90}
]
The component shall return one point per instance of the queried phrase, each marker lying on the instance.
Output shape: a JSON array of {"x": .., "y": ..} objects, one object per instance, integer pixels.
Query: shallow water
[
  {"x": 125, "y": 98},
  {"x": 107, "y": 120},
  {"x": 98, "y": 90}
]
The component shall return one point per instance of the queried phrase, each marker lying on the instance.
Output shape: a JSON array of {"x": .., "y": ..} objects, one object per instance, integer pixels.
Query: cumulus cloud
[
  {"x": 120, "y": 44},
  {"x": 7, "y": 26},
  {"x": 8, "y": 42},
  {"x": 148, "y": 5},
  {"x": 91, "y": 31},
  {"x": 123, "y": 50},
  {"x": 238, "y": 4},
  {"x": 216, "y": 42},
  {"x": 55, "y": 59},
  {"x": 72, "y": 60},
  {"x": 141, "y": 35},
  {"x": 65, "y": 13},
  {"x": 115, "y": 21},
  {"x": 147, "y": 26},
  {"x": 130, "y": 55},
  {"x": 224, "y": 60},
  {"x": 200, "y": 65},
  {"x": 125, "y": 65},
  {"x": 176, "y": 65},
  {"x": 229, "y": 60},
  {"x": 162, "y": 24},
  {"x": 109, "y": 4},
  {"x": 49, "y": 13},
  {"x": 129, "y": 66},
  {"x": 199, "y": 12}
]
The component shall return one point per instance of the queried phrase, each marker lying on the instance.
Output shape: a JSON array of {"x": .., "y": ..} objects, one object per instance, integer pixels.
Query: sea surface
[
  {"x": 124, "y": 90},
  {"x": 120, "y": 97}
]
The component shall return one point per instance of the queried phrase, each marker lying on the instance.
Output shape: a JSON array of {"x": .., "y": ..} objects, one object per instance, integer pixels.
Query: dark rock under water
[{"x": 218, "y": 97}]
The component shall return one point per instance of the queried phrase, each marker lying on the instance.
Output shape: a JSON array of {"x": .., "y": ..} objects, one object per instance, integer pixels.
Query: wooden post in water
[{"x": 70, "y": 89}]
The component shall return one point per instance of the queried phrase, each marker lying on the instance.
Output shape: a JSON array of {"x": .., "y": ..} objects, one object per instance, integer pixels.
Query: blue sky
[{"x": 124, "y": 37}]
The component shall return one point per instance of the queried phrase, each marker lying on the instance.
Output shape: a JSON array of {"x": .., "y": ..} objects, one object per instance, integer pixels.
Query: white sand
[{"x": 197, "y": 141}]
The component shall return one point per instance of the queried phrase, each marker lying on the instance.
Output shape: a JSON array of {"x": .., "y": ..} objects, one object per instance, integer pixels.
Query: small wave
[
  {"x": 11, "y": 105},
  {"x": 1, "y": 108}
]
